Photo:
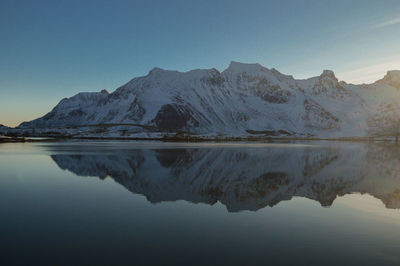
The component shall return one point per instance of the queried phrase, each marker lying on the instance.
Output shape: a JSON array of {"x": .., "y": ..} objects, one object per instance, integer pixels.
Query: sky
[{"x": 54, "y": 49}]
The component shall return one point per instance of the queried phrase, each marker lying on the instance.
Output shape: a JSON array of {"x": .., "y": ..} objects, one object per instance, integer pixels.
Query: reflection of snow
[{"x": 246, "y": 178}]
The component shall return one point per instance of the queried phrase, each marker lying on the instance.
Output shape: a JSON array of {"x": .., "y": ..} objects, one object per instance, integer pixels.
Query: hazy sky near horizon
[{"x": 54, "y": 49}]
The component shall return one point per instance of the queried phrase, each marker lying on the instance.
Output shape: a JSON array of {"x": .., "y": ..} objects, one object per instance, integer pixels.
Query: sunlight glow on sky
[
  {"x": 371, "y": 73},
  {"x": 55, "y": 49}
]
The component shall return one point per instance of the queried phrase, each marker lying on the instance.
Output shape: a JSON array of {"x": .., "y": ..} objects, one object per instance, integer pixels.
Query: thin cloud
[
  {"x": 387, "y": 23},
  {"x": 371, "y": 73}
]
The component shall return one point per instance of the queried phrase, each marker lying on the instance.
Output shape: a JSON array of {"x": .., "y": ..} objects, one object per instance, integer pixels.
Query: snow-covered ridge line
[{"x": 243, "y": 100}]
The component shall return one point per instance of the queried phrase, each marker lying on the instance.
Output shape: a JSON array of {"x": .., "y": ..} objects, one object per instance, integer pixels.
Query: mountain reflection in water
[{"x": 245, "y": 177}]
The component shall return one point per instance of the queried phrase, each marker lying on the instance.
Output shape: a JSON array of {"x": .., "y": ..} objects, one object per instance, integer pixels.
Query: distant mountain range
[{"x": 242, "y": 101}]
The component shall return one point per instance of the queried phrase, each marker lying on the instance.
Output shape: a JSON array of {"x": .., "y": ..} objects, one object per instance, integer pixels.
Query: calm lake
[{"x": 153, "y": 203}]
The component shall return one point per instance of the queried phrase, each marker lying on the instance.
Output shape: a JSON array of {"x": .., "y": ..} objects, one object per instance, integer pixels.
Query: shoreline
[{"x": 7, "y": 139}]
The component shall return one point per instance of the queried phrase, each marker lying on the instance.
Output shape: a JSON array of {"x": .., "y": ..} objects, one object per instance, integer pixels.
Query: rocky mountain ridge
[{"x": 243, "y": 100}]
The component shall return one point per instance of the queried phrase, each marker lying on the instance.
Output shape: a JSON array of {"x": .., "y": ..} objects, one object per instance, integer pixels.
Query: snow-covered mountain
[
  {"x": 244, "y": 178},
  {"x": 243, "y": 100}
]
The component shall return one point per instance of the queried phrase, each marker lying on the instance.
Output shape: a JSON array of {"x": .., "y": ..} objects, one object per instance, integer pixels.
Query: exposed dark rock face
[
  {"x": 135, "y": 111},
  {"x": 317, "y": 116},
  {"x": 77, "y": 112},
  {"x": 174, "y": 117},
  {"x": 330, "y": 86},
  {"x": 263, "y": 88},
  {"x": 215, "y": 80}
]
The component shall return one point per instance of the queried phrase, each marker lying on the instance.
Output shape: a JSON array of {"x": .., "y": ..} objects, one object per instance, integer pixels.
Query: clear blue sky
[{"x": 54, "y": 49}]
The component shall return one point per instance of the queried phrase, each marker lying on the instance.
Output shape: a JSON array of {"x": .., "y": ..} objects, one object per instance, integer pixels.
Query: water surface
[{"x": 151, "y": 203}]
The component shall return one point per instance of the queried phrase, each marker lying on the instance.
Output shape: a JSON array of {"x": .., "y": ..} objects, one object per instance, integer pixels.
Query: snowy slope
[{"x": 243, "y": 100}]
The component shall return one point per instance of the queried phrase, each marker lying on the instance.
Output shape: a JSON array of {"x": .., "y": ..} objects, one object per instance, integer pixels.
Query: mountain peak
[
  {"x": 328, "y": 74},
  {"x": 155, "y": 70},
  {"x": 392, "y": 75},
  {"x": 392, "y": 78},
  {"x": 243, "y": 67},
  {"x": 244, "y": 100}
]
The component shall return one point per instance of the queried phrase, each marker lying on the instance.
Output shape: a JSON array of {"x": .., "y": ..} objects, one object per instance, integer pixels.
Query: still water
[{"x": 151, "y": 203}]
